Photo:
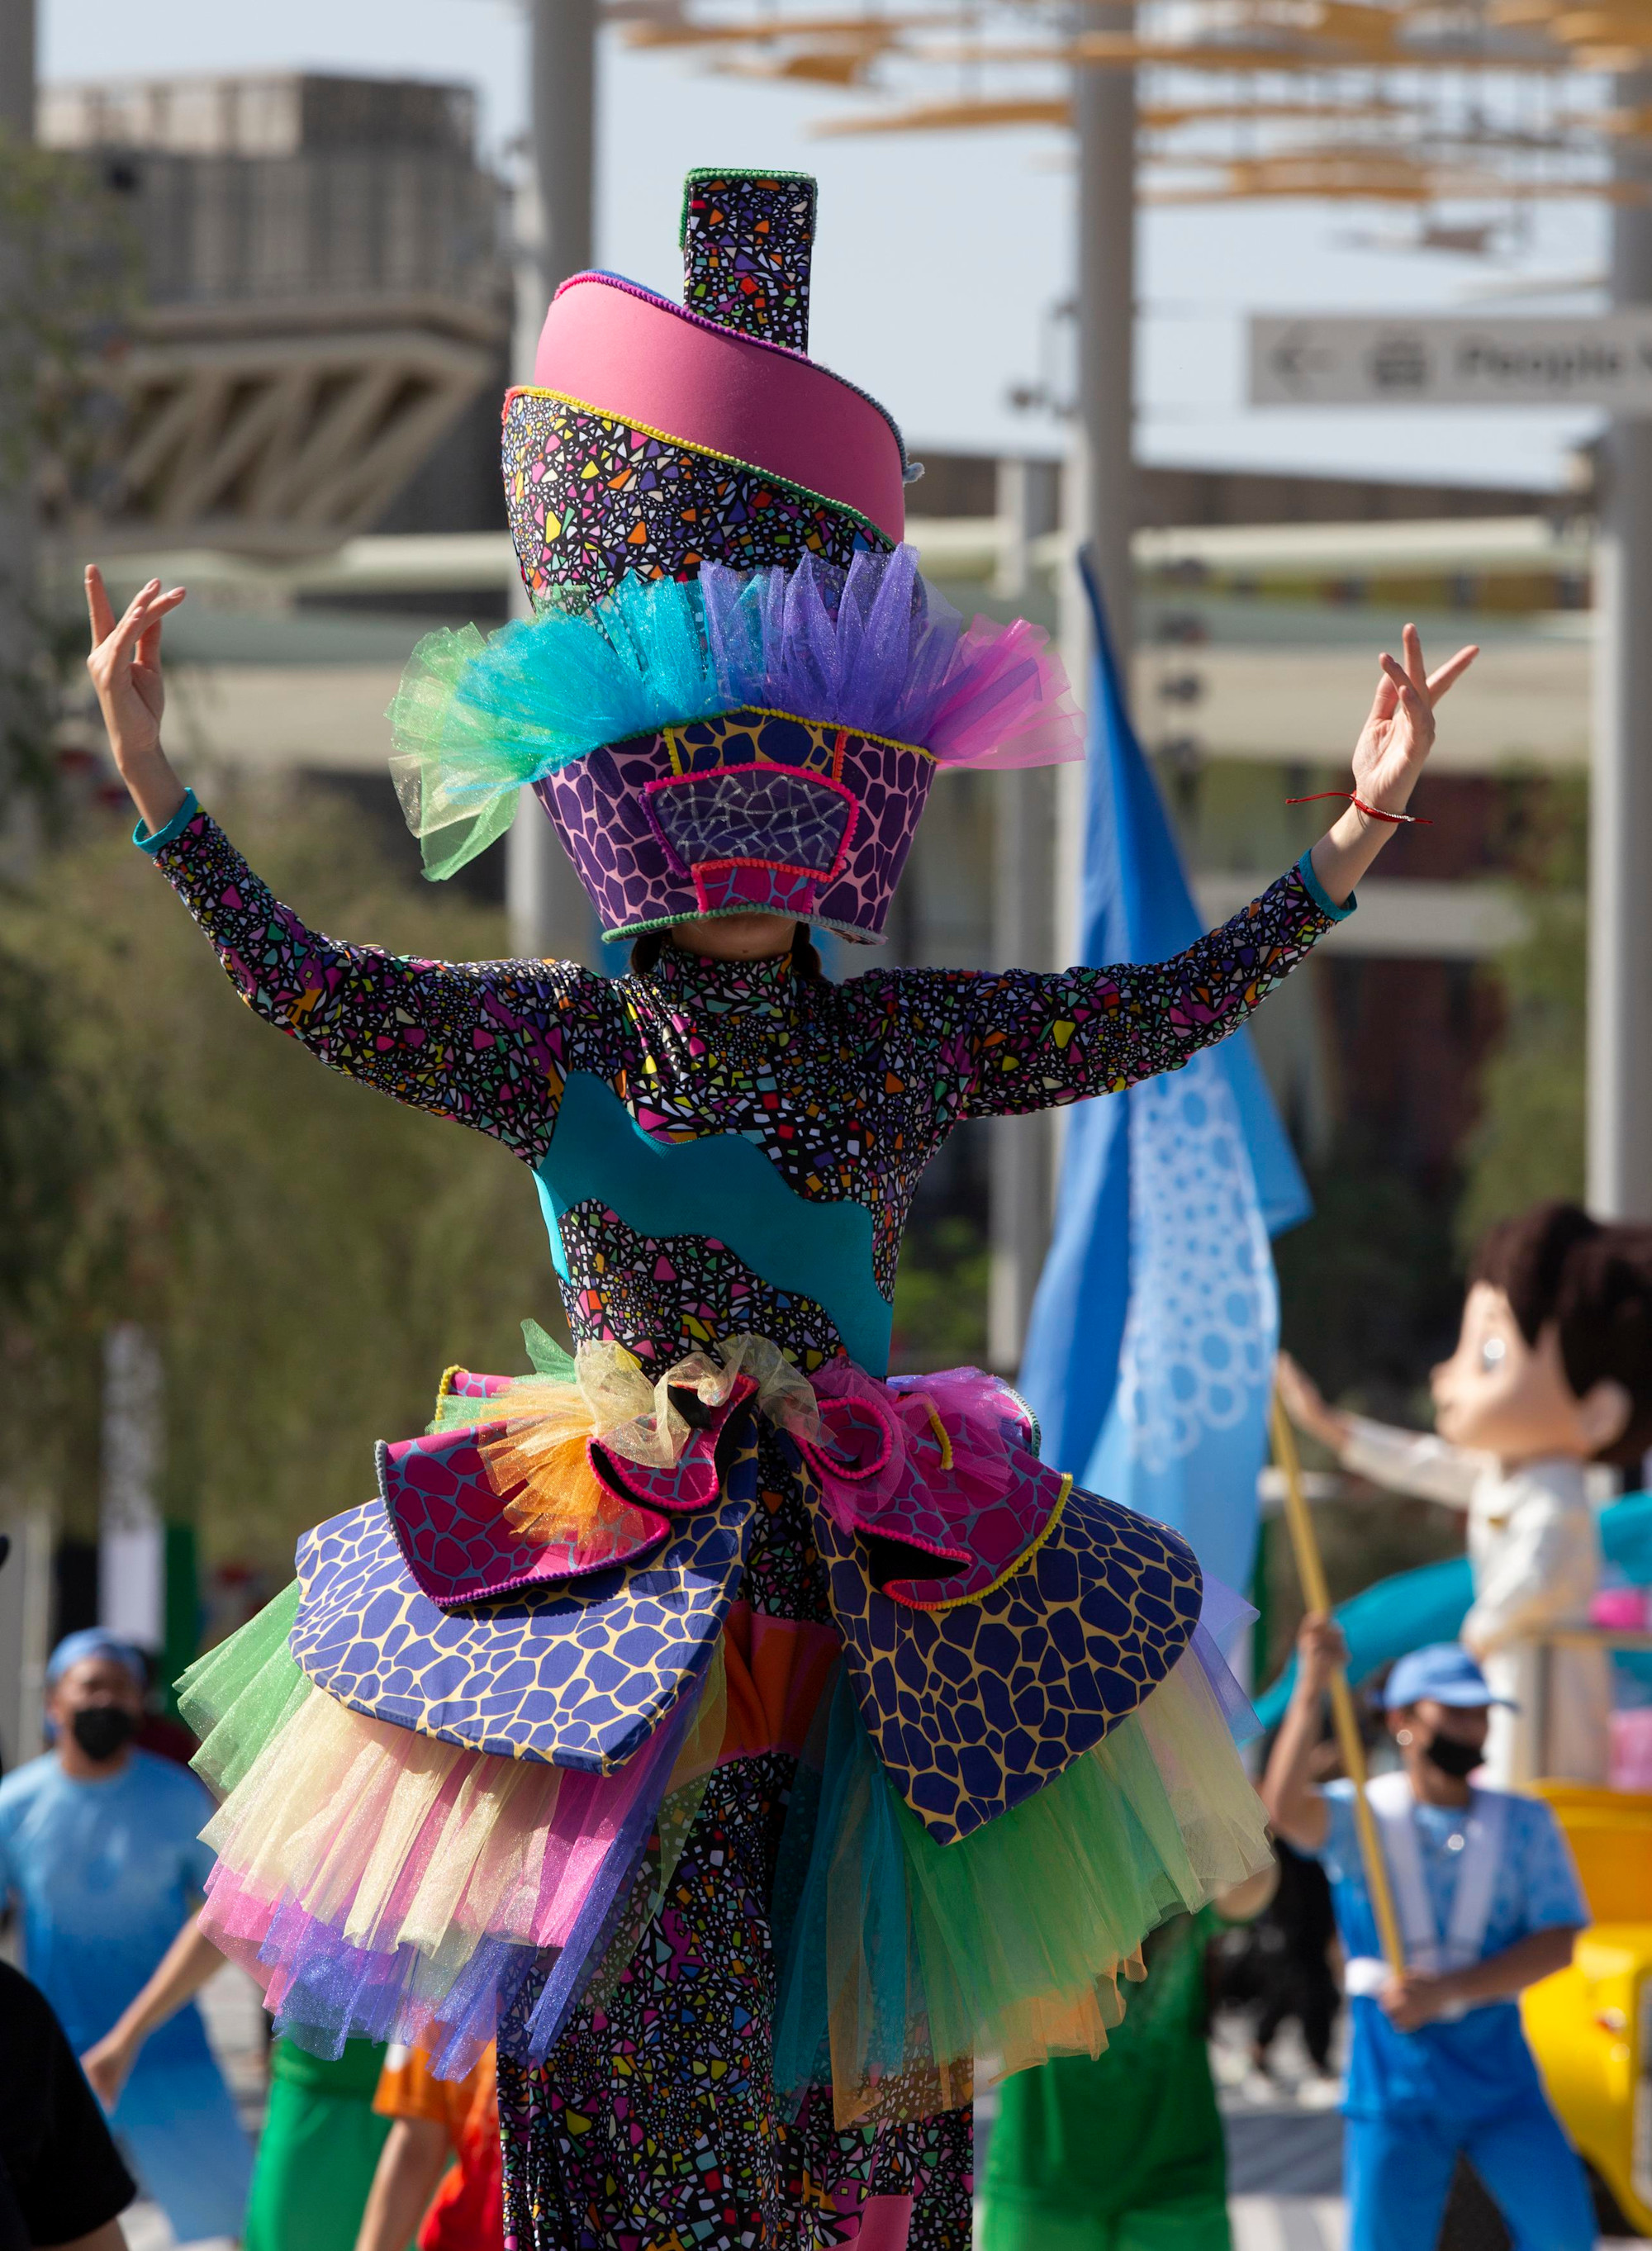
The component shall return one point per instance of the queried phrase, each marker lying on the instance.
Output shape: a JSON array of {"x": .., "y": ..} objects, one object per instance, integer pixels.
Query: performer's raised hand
[
  {"x": 125, "y": 666},
  {"x": 1294, "y": 1805},
  {"x": 1321, "y": 1651},
  {"x": 1391, "y": 753},
  {"x": 1399, "y": 733}
]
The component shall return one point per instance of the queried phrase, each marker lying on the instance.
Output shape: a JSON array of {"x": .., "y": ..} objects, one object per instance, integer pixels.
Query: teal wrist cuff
[
  {"x": 1315, "y": 891},
  {"x": 175, "y": 827}
]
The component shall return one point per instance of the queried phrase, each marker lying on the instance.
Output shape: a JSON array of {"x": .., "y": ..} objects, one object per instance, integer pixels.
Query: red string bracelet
[{"x": 1410, "y": 819}]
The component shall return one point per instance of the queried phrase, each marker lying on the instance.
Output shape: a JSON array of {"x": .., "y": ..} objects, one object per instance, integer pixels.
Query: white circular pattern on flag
[{"x": 1204, "y": 1304}]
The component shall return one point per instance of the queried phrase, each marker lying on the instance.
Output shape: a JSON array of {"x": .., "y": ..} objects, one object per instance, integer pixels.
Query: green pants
[
  {"x": 1123, "y": 2151},
  {"x": 1191, "y": 2223},
  {"x": 315, "y": 2164}
]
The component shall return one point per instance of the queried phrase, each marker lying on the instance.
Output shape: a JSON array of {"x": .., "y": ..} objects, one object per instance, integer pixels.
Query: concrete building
[{"x": 325, "y": 298}]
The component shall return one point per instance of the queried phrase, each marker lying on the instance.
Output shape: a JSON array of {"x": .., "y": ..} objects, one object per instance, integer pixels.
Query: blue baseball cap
[
  {"x": 1443, "y": 1673},
  {"x": 95, "y": 1641}
]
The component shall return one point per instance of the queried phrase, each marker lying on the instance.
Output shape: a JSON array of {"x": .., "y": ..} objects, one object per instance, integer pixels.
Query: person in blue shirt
[
  {"x": 1488, "y": 1903},
  {"x": 100, "y": 1846}
]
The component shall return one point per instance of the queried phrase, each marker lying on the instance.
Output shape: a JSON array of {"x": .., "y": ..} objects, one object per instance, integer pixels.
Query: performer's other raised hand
[
  {"x": 125, "y": 666},
  {"x": 1399, "y": 733},
  {"x": 1390, "y": 755}
]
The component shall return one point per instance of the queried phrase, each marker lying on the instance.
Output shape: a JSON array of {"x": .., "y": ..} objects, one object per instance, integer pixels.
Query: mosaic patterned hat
[
  {"x": 736, "y": 688},
  {"x": 656, "y": 436}
]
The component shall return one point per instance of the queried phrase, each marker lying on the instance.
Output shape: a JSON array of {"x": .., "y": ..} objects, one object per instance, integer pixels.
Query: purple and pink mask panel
[{"x": 744, "y": 741}]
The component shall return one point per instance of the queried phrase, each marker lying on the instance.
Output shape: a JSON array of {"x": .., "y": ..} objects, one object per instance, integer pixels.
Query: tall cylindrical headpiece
[
  {"x": 737, "y": 688},
  {"x": 655, "y": 437}
]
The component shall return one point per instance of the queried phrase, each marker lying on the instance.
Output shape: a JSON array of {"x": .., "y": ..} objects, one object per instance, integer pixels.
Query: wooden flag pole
[{"x": 1311, "y": 1571}]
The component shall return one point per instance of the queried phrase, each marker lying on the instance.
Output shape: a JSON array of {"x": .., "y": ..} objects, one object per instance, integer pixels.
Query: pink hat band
[
  {"x": 657, "y": 437},
  {"x": 609, "y": 345}
]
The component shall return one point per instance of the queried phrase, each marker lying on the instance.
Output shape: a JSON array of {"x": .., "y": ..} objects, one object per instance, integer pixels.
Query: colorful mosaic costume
[{"x": 748, "y": 1742}]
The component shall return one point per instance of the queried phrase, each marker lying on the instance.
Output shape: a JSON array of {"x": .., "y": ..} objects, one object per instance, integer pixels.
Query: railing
[{"x": 1572, "y": 1637}]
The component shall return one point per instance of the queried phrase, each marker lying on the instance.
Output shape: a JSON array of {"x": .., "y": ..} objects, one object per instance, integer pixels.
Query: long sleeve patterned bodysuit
[{"x": 718, "y": 1147}]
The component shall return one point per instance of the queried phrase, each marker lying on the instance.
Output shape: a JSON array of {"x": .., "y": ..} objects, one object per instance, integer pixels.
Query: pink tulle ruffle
[{"x": 383, "y": 1885}]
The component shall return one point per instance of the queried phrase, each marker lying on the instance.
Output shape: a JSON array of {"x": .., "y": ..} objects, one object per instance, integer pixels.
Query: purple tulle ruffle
[
  {"x": 1224, "y": 1615},
  {"x": 875, "y": 647}
]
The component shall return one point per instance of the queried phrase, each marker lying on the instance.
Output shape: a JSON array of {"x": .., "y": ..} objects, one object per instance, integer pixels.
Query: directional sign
[{"x": 1451, "y": 361}]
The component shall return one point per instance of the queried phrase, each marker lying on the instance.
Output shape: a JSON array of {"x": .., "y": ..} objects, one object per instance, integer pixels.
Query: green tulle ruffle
[
  {"x": 240, "y": 1695},
  {"x": 905, "y": 1960}
]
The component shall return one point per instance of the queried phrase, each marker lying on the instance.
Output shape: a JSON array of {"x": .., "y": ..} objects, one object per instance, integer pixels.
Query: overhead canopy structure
[
  {"x": 1411, "y": 85},
  {"x": 325, "y": 294},
  {"x": 270, "y": 431}
]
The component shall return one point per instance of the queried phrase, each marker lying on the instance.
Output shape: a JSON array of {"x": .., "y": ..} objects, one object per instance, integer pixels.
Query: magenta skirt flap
[
  {"x": 577, "y": 1671},
  {"x": 999, "y": 1621},
  {"x": 934, "y": 1475},
  {"x": 533, "y": 1494},
  {"x": 459, "y": 1544}
]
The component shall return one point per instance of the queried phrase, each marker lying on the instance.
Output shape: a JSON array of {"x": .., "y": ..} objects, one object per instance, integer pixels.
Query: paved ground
[
  {"x": 233, "y": 2007},
  {"x": 1287, "y": 2223},
  {"x": 1284, "y": 2136}
]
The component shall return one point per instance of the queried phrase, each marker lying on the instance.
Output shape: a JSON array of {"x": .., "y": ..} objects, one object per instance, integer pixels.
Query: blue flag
[{"x": 1150, "y": 1351}]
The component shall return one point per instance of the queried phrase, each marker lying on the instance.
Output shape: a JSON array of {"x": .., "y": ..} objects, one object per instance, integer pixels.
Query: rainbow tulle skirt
[
  {"x": 458, "y": 1760},
  {"x": 381, "y": 1883}
]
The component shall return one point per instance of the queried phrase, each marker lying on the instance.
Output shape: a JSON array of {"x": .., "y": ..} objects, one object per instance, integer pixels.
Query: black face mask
[
  {"x": 103, "y": 1730},
  {"x": 1458, "y": 1760}
]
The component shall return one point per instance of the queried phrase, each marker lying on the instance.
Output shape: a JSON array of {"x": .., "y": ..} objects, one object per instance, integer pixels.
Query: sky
[{"x": 940, "y": 257}]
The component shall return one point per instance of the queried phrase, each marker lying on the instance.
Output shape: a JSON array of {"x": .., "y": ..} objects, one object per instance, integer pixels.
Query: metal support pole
[
  {"x": 18, "y": 67},
  {"x": 565, "y": 84},
  {"x": 1100, "y": 483},
  {"x": 1104, "y": 115},
  {"x": 1620, "y": 1088},
  {"x": 25, "y": 1631},
  {"x": 131, "y": 1538},
  {"x": 1041, "y": 833},
  {"x": 550, "y": 915},
  {"x": 26, "y": 1583},
  {"x": 17, "y": 525},
  {"x": 1019, "y": 1187},
  {"x": 1029, "y": 505}
]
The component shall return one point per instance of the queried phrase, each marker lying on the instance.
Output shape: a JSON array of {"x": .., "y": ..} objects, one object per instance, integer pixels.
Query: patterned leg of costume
[{"x": 654, "y": 2123}]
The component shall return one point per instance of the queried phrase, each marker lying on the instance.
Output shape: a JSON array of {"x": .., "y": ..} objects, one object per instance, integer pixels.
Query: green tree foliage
[
  {"x": 71, "y": 263},
  {"x": 310, "y": 1256},
  {"x": 55, "y": 1250},
  {"x": 941, "y": 1296},
  {"x": 1369, "y": 1288}
]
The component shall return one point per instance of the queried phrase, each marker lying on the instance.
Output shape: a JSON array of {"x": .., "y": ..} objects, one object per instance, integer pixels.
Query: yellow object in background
[{"x": 1590, "y": 2025}]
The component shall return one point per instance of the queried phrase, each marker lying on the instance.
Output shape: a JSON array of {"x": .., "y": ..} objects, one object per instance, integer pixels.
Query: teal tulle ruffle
[{"x": 905, "y": 1961}]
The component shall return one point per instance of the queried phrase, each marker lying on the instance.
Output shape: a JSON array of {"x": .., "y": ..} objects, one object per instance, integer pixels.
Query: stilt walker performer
[{"x": 749, "y": 1741}]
